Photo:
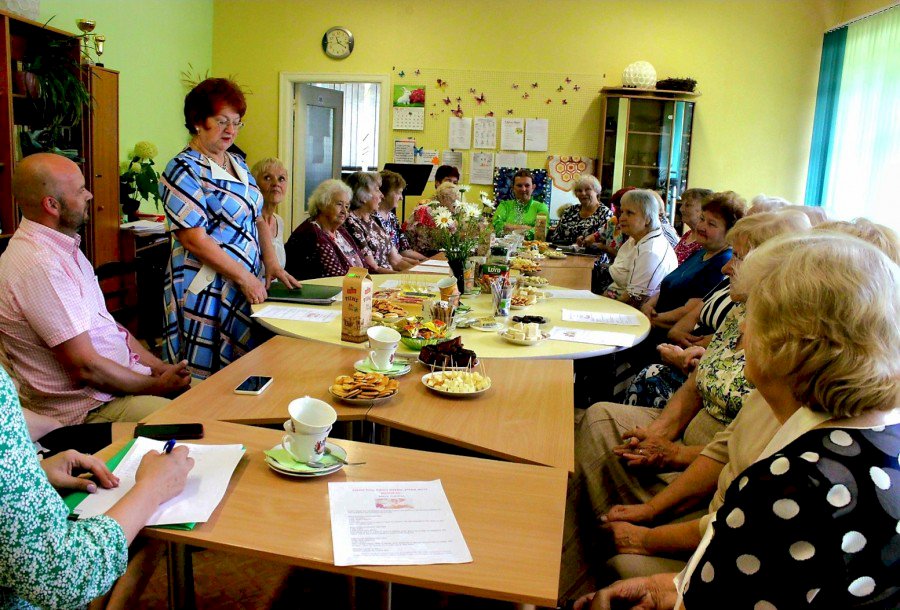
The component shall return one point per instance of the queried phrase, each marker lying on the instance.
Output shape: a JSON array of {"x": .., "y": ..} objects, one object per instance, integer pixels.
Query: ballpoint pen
[{"x": 170, "y": 444}]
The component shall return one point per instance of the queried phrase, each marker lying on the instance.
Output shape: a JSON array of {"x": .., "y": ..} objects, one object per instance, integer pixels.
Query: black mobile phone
[
  {"x": 253, "y": 385},
  {"x": 164, "y": 432}
]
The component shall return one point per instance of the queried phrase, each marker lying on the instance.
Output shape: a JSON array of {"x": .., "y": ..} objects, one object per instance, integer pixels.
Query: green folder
[
  {"x": 76, "y": 498},
  {"x": 309, "y": 294}
]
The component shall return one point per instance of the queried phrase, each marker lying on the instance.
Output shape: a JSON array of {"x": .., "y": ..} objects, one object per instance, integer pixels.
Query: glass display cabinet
[{"x": 645, "y": 141}]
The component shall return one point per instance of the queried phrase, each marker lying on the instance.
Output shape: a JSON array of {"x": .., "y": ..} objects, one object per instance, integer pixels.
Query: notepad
[
  {"x": 205, "y": 487},
  {"x": 309, "y": 294}
]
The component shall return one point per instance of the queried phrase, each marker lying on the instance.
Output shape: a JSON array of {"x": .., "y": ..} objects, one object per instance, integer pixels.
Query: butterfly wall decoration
[
  {"x": 480, "y": 99},
  {"x": 515, "y": 85},
  {"x": 568, "y": 80},
  {"x": 575, "y": 87},
  {"x": 509, "y": 112},
  {"x": 418, "y": 150},
  {"x": 534, "y": 85},
  {"x": 489, "y": 114},
  {"x": 418, "y": 72},
  {"x": 472, "y": 91},
  {"x": 447, "y": 101},
  {"x": 458, "y": 112},
  {"x": 560, "y": 88},
  {"x": 565, "y": 102},
  {"x": 549, "y": 101},
  {"x": 442, "y": 84},
  {"x": 525, "y": 96},
  {"x": 401, "y": 74}
]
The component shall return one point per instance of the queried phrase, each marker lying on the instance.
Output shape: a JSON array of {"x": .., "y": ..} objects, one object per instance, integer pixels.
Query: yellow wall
[
  {"x": 853, "y": 9},
  {"x": 150, "y": 42},
  {"x": 756, "y": 62}
]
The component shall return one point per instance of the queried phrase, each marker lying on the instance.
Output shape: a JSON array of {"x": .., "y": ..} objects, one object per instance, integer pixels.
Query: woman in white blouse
[{"x": 272, "y": 178}]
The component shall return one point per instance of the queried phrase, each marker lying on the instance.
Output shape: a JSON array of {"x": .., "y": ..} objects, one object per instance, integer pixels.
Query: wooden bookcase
[{"x": 96, "y": 139}]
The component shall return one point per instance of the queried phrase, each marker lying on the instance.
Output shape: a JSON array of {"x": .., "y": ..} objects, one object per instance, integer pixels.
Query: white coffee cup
[
  {"x": 311, "y": 415},
  {"x": 382, "y": 337},
  {"x": 382, "y": 359},
  {"x": 305, "y": 447}
]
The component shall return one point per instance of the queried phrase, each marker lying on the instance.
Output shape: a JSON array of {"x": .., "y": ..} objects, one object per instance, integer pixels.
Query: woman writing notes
[{"x": 221, "y": 241}]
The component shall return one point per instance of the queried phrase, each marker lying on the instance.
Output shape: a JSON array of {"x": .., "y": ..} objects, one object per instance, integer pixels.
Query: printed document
[
  {"x": 572, "y": 315},
  {"x": 298, "y": 314},
  {"x": 394, "y": 523}
]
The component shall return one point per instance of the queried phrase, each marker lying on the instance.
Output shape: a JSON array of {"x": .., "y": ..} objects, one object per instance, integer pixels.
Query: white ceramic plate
[
  {"x": 519, "y": 306},
  {"x": 527, "y": 342},
  {"x": 308, "y": 472},
  {"x": 446, "y": 393},
  {"x": 363, "y": 402},
  {"x": 487, "y": 329}
]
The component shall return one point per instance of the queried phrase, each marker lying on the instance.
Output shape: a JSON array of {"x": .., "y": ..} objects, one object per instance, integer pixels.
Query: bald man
[{"x": 75, "y": 363}]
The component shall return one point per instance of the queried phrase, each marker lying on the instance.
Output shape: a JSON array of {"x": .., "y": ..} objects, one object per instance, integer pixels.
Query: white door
[{"x": 318, "y": 117}]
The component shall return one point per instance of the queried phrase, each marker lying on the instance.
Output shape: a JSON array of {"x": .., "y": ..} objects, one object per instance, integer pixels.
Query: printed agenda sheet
[
  {"x": 298, "y": 314},
  {"x": 597, "y": 317},
  {"x": 394, "y": 523}
]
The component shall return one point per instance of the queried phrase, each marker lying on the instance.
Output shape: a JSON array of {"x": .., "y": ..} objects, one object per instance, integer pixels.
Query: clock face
[{"x": 337, "y": 43}]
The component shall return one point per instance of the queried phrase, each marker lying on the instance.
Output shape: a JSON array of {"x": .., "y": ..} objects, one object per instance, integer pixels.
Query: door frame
[{"x": 286, "y": 82}]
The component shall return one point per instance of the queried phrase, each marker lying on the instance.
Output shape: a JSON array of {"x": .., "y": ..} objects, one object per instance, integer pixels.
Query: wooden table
[
  {"x": 570, "y": 272},
  {"x": 485, "y": 344},
  {"x": 511, "y": 516},
  {"x": 526, "y": 416}
]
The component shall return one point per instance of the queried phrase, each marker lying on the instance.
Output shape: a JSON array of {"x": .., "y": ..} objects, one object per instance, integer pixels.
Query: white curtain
[{"x": 865, "y": 170}]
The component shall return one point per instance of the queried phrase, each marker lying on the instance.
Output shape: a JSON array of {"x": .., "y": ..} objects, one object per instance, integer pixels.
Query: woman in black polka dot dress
[{"x": 815, "y": 522}]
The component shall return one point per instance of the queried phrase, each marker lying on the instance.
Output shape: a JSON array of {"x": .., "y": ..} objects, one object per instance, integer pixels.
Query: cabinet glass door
[
  {"x": 648, "y": 145},
  {"x": 609, "y": 135}
]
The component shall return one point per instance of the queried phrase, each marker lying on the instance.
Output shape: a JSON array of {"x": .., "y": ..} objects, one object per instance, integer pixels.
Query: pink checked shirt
[{"x": 48, "y": 295}]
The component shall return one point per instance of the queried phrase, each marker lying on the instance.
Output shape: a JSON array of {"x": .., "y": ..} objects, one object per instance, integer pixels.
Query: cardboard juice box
[
  {"x": 356, "y": 313},
  {"x": 540, "y": 227}
]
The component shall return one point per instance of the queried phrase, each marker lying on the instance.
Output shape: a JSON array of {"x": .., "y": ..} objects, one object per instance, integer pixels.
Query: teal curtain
[{"x": 826, "y": 111}]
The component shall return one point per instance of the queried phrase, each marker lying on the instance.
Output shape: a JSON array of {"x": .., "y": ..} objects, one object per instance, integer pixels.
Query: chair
[{"x": 118, "y": 281}]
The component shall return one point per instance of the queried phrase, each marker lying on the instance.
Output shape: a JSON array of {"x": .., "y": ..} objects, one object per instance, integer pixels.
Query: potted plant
[
  {"x": 61, "y": 95},
  {"x": 139, "y": 181}
]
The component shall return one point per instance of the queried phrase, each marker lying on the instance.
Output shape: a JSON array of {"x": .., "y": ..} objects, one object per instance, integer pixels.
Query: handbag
[{"x": 600, "y": 277}]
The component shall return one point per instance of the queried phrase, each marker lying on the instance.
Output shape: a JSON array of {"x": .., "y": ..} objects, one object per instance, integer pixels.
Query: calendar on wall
[{"x": 409, "y": 119}]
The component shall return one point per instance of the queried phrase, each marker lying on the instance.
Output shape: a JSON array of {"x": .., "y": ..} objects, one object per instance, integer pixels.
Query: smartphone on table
[
  {"x": 164, "y": 432},
  {"x": 254, "y": 385}
]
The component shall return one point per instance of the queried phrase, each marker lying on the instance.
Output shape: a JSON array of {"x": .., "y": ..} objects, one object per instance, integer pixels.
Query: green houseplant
[{"x": 139, "y": 180}]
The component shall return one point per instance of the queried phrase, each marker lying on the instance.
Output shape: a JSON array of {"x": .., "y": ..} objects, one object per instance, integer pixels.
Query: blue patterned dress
[{"x": 208, "y": 322}]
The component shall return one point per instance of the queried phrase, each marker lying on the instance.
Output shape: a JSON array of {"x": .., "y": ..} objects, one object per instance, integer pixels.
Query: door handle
[{"x": 98, "y": 175}]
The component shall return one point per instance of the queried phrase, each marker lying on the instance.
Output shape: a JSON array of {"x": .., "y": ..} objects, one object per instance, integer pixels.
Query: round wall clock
[{"x": 337, "y": 43}]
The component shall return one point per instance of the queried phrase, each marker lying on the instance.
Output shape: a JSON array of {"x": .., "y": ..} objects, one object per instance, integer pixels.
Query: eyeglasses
[{"x": 223, "y": 124}]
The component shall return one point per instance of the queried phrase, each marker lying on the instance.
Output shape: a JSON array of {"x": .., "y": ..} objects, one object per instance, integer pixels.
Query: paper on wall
[
  {"x": 512, "y": 134},
  {"x": 404, "y": 151},
  {"x": 409, "y": 119},
  {"x": 504, "y": 159},
  {"x": 536, "y": 134},
  {"x": 429, "y": 155},
  {"x": 485, "y": 133},
  {"x": 460, "y": 133},
  {"x": 454, "y": 158},
  {"x": 482, "y": 171}
]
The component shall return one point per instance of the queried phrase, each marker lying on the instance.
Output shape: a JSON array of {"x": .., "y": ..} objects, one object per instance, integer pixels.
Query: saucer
[
  {"x": 398, "y": 369},
  {"x": 287, "y": 465}
]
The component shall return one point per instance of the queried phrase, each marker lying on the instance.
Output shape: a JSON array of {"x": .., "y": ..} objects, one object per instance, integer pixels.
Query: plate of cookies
[{"x": 364, "y": 389}]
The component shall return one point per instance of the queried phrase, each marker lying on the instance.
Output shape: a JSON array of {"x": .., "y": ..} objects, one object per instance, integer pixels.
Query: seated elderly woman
[
  {"x": 702, "y": 271},
  {"x": 272, "y": 179},
  {"x": 608, "y": 238},
  {"x": 646, "y": 258},
  {"x": 373, "y": 241},
  {"x": 691, "y": 200},
  {"x": 584, "y": 219},
  {"x": 766, "y": 203},
  {"x": 655, "y": 384},
  {"x": 392, "y": 185},
  {"x": 420, "y": 228},
  {"x": 321, "y": 246},
  {"x": 46, "y": 560},
  {"x": 812, "y": 521}
]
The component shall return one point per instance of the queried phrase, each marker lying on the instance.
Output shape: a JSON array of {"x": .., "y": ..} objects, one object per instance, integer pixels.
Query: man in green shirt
[{"x": 519, "y": 213}]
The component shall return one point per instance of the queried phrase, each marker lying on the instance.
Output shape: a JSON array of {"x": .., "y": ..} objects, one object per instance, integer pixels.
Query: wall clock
[{"x": 337, "y": 43}]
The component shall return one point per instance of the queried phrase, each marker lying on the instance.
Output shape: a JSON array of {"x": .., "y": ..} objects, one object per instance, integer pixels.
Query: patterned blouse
[
  {"x": 572, "y": 226},
  {"x": 720, "y": 374},
  {"x": 683, "y": 249},
  {"x": 45, "y": 559},
  {"x": 812, "y": 526},
  {"x": 370, "y": 238},
  {"x": 389, "y": 223}
]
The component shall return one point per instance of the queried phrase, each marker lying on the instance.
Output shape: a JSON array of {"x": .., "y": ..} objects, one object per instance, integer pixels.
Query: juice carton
[{"x": 356, "y": 314}]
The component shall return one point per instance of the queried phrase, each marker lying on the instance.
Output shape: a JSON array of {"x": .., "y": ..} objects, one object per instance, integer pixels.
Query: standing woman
[
  {"x": 272, "y": 179},
  {"x": 220, "y": 241}
]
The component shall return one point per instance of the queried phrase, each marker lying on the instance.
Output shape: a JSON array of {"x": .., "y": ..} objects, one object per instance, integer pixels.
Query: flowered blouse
[
  {"x": 389, "y": 223},
  {"x": 419, "y": 229},
  {"x": 720, "y": 374},
  {"x": 370, "y": 238},
  {"x": 683, "y": 249},
  {"x": 45, "y": 559},
  {"x": 572, "y": 226}
]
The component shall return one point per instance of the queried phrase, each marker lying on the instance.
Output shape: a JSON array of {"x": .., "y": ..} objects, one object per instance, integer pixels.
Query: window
[{"x": 360, "y": 128}]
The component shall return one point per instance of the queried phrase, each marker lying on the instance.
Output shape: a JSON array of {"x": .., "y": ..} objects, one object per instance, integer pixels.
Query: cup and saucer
[
  {"x": 304, "y": 451},
  {"x": 383, "y": 342}
]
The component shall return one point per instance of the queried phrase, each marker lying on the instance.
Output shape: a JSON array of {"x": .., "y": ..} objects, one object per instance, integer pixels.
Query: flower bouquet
[{"x": 457, "y": 232}]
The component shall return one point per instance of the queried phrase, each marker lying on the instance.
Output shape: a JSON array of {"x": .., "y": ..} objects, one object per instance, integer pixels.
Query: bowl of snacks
[
  {"x": 367, "y": 389},
  {"x": 524, "y": 334},
  {"x": 457, "y": 383},
  {"x": 521, "y": 301},
  {"x": 417, "y": 334},
  {"x": 533, "y": 281}
]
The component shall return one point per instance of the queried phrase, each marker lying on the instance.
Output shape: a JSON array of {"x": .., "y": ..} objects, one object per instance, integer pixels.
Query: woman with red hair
[{"x": 221, "y": 244}]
